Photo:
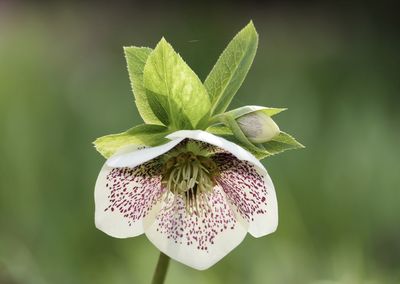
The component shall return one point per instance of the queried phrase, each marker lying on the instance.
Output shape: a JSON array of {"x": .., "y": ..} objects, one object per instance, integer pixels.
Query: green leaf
[
  {"x": 281, "y": 143},
  {"x": 238, "y": 112},
  {"x": 159, "y": 106},
  {"x": 136, "y": 58},
  {"x": 231, "y": 68},
  {"x": 144, "y": 134},
  {"x": 169, "y": 78}
]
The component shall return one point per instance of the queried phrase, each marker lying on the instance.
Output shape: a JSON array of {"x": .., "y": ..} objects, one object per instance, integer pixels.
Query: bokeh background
[{"x": 63, "y": 82}]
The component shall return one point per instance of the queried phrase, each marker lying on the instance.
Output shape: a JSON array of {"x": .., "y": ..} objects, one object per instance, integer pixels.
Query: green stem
[{"x": 161, "y": 269}]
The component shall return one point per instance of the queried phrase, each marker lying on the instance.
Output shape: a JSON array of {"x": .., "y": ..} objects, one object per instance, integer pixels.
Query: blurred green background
[{"x": 63, "y": 82}]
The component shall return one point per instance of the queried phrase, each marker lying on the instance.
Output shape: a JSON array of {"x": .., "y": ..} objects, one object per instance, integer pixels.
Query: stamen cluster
[{"x": 192, "y": 177}]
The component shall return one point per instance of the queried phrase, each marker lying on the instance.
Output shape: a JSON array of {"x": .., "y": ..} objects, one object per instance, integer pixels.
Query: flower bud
[{"x": 258, "y": 127}]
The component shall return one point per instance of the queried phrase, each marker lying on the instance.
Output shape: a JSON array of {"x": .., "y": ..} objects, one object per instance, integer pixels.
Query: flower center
[{"x": 192, "y": 177}]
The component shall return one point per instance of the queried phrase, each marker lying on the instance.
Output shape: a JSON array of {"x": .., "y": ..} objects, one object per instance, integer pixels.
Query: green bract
[
  {"x": 170, "y": 97},
  {"x": 176, "y": 87},
  {"x": 231, "y": 68},
  {"x": 136, "y": 58}
]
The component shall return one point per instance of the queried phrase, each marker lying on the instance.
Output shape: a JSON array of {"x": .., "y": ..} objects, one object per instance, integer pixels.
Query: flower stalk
[{"x": 161, "y": 269}]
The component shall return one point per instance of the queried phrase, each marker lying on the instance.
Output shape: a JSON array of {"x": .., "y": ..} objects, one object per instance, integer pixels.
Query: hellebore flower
[
  {"x": 189, "y": 177},
  {"x": 195, "y": 197}
]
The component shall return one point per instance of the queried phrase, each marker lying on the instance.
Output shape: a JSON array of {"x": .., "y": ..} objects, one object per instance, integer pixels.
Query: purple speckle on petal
[
  {"x": 133, "y": 191},
  {"x": 243, "y": 185},
  {"x": 192, "y": 230}
]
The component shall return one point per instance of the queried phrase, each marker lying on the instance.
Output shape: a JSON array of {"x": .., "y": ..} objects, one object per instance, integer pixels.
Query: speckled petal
[
  {"x": 124, "y": 196},
  {"x": 250, "y": 191},
  {"x": 196, "y": 241}
]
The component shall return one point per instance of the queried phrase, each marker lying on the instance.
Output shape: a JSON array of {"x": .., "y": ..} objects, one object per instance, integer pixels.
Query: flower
[
  {"x": 195, "y": 197},
  {"x": 258, "y": 126}
]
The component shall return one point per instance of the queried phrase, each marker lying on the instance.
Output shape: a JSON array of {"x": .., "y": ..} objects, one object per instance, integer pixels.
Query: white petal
[
  {"x": 264, "y": 224},
  {"x": 140, "y": 156},
  {"x": 124, "y": 196},
  {"x": 250, "y": 191},
  {"x": 196, "y": 241},
  {"x": 220, "y": 142}
]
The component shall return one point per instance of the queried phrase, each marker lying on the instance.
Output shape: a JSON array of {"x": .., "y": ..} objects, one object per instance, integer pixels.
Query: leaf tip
[
  {"x": 301, "y": 146},
  {"x": 95, "y": 143},
  {"x": 282, "y": 109},
  {"x": 163, "y": 40},
  {"x": 163, "y": 43},
  {"x": 251, "y": 27}
]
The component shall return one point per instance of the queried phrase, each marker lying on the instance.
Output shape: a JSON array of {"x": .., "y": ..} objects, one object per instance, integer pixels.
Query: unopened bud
[{"x": 258, "y": 127}]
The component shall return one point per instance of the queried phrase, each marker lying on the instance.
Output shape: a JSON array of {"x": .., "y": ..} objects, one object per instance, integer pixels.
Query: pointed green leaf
[
  {"x": 136, "y": 58},
  {"x": 231, "y": 68},
  {"x": 166, "y": 75},
  {"x": 281, "y": 143},
  {"x": 271, "y": 111},
  {"x": 144, "y": 134}
]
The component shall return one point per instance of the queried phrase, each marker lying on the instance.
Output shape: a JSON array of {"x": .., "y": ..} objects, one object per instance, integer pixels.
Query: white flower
[{"x": 195, "y": 197}]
